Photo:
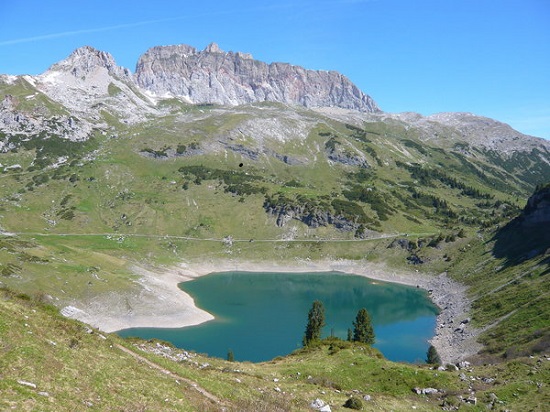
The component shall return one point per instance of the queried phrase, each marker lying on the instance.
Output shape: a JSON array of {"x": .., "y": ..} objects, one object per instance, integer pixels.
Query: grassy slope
[
  {"x": 121, "y": 181},
  {"x": 115, "y": 208},
  {"x": 510, "y": 291},
  {"x": 74, "y": 367}
]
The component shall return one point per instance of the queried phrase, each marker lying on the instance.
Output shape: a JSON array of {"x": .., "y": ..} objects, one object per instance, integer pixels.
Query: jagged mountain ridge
[
  {"x": 214, "y": 76},
  {"x": 88, "y": 89}
]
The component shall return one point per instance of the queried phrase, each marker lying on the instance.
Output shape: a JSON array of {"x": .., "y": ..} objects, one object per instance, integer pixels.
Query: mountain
[
  {"x": 107, "y": 174},
  {"x": 384, "y": 171},
  {"x": 216, "y": 77}
]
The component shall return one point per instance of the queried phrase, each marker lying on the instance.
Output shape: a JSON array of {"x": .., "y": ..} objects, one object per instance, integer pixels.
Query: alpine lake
[{"x": 259, "y": 316}]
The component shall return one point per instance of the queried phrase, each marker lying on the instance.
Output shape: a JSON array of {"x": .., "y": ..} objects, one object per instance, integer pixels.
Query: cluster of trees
[
  {"x": 425, "y": 175},
  {"x": 238, "y": 183},
  {"x": 362, "y": 330},
  {"x": 440, "y": 205},
  {"x": 362, "y": 327},
  {"x": 371, "y": 196}
]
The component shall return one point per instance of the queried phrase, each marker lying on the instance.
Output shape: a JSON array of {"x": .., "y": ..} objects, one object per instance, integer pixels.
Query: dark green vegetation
[
  {"x": 362, "y": 328},
  {"x": 315, "y": 323},
  {"x": 432, "y": 357},
  {"x": 171, "y": 188}
]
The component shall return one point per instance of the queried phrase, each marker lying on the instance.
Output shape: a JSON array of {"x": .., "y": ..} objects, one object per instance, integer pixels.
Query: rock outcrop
[
  {"x": 527, "y": 235},
  {"x": 537, "y": 210},
  {"x": 16, "y": 125},
  {"x": 228, "y": 78}
]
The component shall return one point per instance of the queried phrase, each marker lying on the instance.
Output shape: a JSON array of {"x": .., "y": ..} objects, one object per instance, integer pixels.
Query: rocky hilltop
[{"x": 228, "y": 78}]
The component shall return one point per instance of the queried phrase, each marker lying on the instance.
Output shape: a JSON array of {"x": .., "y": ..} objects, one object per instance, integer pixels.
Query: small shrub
[{"x": 354, "y": 403}]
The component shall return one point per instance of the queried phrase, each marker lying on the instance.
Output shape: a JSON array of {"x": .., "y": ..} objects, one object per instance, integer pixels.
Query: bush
[{"x": 354, "y": 403}]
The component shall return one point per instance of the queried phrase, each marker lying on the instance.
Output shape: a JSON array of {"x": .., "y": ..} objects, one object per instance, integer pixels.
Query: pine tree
[
  {"x": 350, "y": 335},
  {"x": 315, "y": 322},
  {"x": 362, "y": 328},
  {"x": 432, "y": 356},
  {"x": 230, "y": 355}
]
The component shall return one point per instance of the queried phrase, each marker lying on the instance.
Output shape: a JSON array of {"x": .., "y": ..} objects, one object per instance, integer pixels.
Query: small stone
[
  {"x": 25, "y": 383},
  {"x": 472, "y": 400}
]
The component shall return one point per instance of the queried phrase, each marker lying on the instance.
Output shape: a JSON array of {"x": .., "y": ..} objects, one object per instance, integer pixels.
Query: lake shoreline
[{"x": 161, "y": 304}]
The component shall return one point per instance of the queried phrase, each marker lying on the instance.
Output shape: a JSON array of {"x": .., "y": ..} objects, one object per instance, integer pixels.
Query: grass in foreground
[{"x": 52, "y": 363}]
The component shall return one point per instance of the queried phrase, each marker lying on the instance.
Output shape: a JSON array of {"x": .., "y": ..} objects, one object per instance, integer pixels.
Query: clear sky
[{"x": 489, "y": 57}]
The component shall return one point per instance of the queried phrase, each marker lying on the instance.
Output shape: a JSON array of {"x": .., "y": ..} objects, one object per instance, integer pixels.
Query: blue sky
[{"x": 489, "y": 57}]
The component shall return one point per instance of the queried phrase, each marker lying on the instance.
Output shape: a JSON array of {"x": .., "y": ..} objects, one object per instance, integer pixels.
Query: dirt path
[{"x": 160, "y": 368}]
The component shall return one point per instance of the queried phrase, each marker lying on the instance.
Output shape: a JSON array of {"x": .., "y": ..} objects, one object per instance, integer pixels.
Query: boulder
[{"x": 319, "y": 405}]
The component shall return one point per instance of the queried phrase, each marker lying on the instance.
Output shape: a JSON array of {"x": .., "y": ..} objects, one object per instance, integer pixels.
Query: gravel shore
[{"x": 160, "y": 303}]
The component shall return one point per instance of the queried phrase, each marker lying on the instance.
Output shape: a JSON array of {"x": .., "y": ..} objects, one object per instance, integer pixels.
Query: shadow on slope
[
  {"x": 528, "y": 235},
  {"x": 517, "y": 242}
]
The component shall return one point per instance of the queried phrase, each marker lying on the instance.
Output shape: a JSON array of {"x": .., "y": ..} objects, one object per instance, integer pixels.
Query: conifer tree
[
  {"x": 362, "y": 328},
  {"x": 432, "y": 356},
  {"x": 315, "y": 322}
]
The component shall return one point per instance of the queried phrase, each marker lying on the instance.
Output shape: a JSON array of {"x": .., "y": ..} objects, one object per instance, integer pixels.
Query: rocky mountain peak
[
  {"x": 229, "y": 78},
  {"x": 85, "y": 60},
  {"x": 89, "y": 80},
  {"x": 213, "y": 48}
]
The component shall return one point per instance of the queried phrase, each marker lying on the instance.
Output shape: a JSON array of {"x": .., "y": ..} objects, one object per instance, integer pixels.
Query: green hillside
[
  {"x": 52, "y": 363},
  {"x": 263, "y": 182}
]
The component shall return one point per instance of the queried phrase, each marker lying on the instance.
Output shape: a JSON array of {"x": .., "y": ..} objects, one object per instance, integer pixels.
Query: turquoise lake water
[{"x": 260, "y": 316}]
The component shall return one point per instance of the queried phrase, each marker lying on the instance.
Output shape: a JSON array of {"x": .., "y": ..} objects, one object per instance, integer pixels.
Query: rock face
[
  {"x": 228, "y": 78},
  {"x": 537, "y": 210}
]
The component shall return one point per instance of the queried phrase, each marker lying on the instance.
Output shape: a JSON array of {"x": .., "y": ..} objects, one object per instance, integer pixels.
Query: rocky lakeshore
[{"x": 160, "y": 303}]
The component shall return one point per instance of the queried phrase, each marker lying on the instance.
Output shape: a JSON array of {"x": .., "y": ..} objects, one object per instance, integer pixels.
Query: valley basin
[{"x": 261, "y": 315}]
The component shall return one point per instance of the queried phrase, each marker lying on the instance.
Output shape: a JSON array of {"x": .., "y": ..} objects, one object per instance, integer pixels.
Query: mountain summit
[
  {"x": 234, "y": 78},
  {"x": 86, "y": 60}
]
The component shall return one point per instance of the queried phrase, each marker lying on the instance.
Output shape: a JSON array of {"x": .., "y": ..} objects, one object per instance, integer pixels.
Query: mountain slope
[
  {"x": 51, "y": 363},
  {"x": 103, "y": 171}
]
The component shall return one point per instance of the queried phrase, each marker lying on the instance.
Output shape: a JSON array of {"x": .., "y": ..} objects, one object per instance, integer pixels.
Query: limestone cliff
[{"x": 228, "y": 78}]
